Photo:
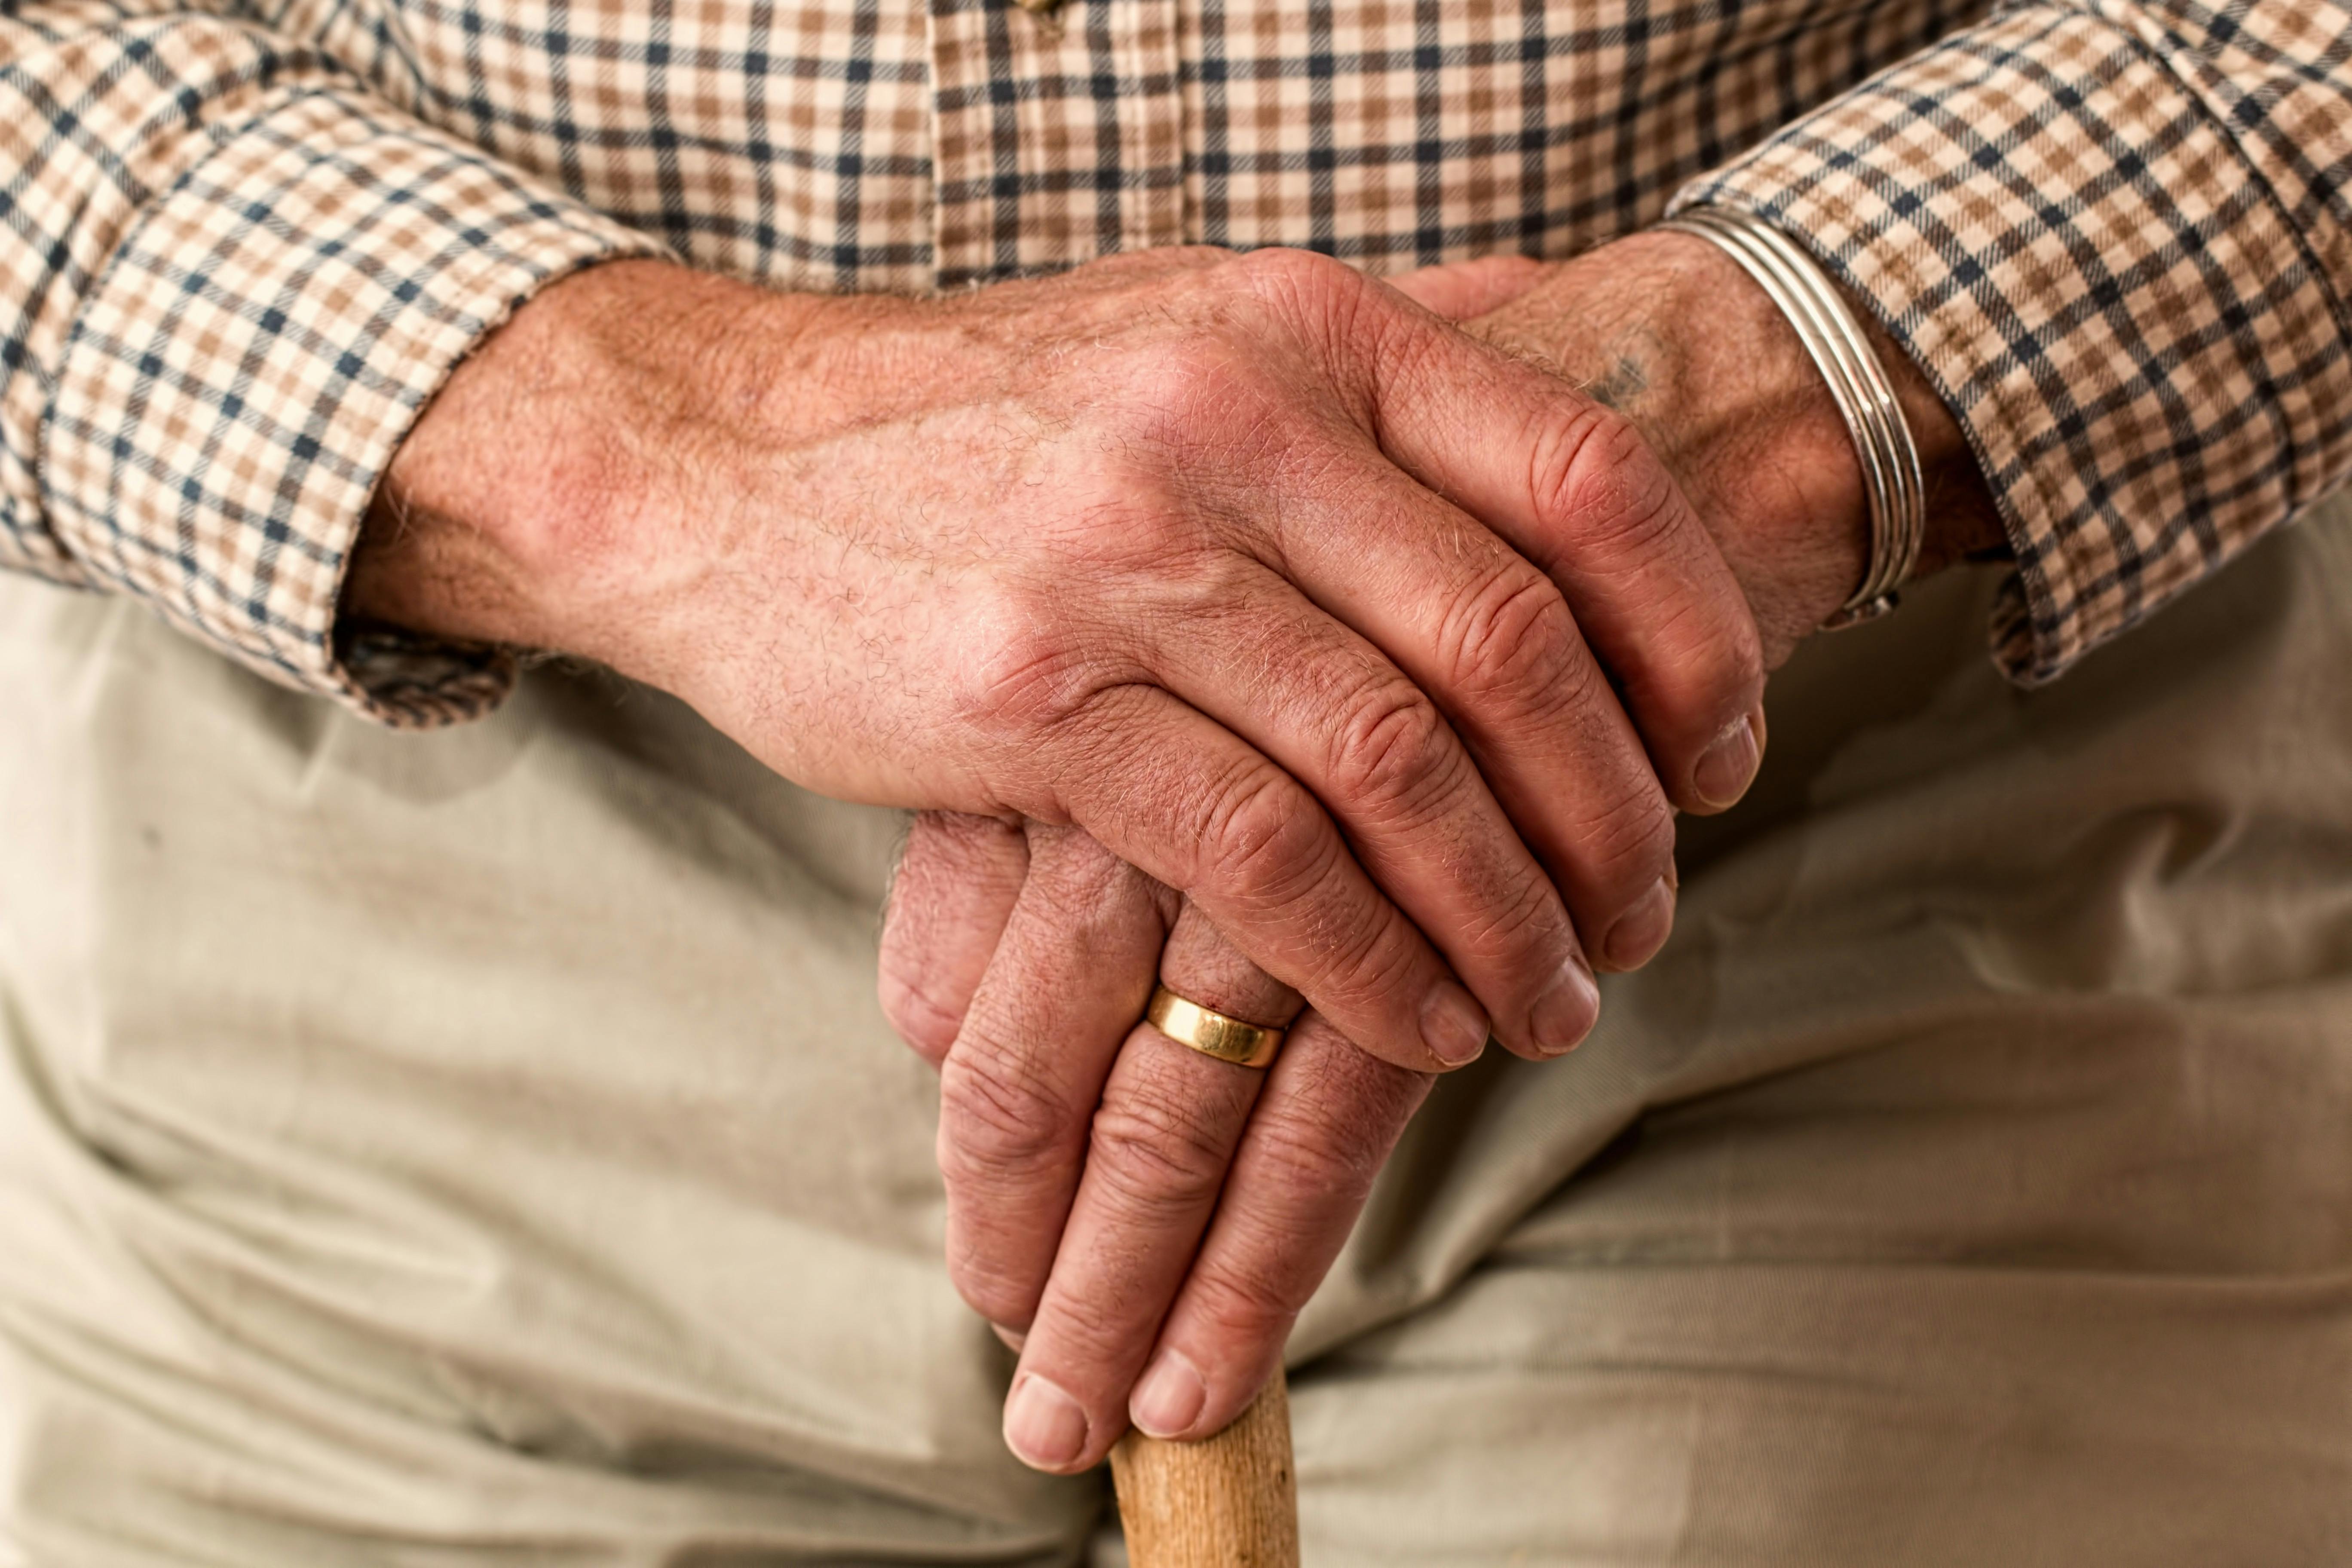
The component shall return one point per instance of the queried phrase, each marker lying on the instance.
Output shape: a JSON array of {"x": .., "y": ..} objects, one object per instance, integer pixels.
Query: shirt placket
[{"x": 1058, "y": 134}]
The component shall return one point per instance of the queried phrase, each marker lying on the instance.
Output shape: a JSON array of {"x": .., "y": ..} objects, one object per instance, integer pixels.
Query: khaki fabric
[{"x": 484, "y": 1146}]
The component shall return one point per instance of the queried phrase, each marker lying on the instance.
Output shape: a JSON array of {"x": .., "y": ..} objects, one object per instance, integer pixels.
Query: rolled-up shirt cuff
[{"x": 252, "y": 353}]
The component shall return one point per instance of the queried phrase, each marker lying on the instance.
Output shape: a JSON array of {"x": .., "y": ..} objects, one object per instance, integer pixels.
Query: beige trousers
[{"x": 485, "y": 1147}]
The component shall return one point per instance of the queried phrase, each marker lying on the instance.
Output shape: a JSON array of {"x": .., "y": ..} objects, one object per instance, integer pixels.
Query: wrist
[{"x": 1673, "y": 332}]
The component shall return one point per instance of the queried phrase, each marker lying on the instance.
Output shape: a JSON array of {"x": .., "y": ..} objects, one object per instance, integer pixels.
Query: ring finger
[{"x": 1170, "y": 1120}]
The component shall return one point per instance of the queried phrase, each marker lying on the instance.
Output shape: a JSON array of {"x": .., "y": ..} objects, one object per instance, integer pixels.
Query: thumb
[{"x": 1459, "y": 290}]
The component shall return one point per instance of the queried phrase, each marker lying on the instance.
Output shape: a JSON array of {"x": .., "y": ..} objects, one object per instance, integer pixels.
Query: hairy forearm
[{"x": 528, "y": 505}]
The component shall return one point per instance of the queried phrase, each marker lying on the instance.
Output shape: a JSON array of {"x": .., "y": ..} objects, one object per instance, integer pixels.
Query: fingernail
[
  {"x": 1013, "y": 1338},
  {"x": 1169, "y": 1399},
  {"x": 1453, "y": 1027},
  {"x": 1640, "y": 930},
  {"x": 1565, "y": 1013},
  {"x": 1042, "y": 1425},
  {"x": 1726, "y": 770}
]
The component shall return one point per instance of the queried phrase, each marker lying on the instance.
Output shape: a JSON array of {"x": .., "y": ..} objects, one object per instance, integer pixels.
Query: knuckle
[
  {"x": 1267, "y": 843},
  {"x": 1247, "y": 1305},
  {"x": 1512, "y": 639},
  {"x": 1520, "y": 925},
  {"x": 1332, "y": 304},
  {"x": 1093, "y": 1327},
  {"x": 1293, "y": 275},
  {"x": 1186, "y": 383},
  {"x": 1330, "y": 1070},
  {"x": 1741, "y": 655},
  {"x": 1051, "y": 685},
  {"x": 994, "y": 1127},
  {"x": 1155, "y": 1153},
  {"x": 988, "y": 1284},
  {"x": 1728, "y": 669},
  {"x": 926, "y": 1024},
  {"x": 1393, "y": 753},
  {"x": 1581, "y": 688},
  {"x": 1029, "y": 673},
  {"x": 1713, "y": 673},
  {"x": 1628, "y": 839},
  {"x": 1596, "y": 478},
  {"x": 1313, "y": 1161}
]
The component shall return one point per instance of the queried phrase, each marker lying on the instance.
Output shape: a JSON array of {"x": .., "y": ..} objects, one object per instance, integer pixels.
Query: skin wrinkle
[
  {"x": 1157, "y": 1145},
  {"x": 1497, "y": 728},
  {"x": 1000, "y": 1236},
  {"x": 1515, "y": 649}
]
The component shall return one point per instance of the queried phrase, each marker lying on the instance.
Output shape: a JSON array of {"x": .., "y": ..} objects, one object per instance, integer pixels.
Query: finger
[
  {"x": 1362, "y": 734},
  {"x": 1576, "y": 488},
  {"x": 1168, "y": 1124},
  {"x": 955, "y": 886},
  {"x": 1019, "y": 1088},
  {"x": 1492, "y": 639},
  {"x": 1172, "y": 792},
  {"x": 1459, "y": 290},
  {"x": 1325, "y": 1124}
]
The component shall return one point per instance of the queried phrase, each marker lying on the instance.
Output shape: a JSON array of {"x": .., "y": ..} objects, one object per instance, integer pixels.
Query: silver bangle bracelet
[{"x": 1891, "y": 477}]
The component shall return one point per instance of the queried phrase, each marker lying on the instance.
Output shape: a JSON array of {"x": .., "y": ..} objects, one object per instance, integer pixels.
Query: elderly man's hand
[
  {"x": 1159, "y": 1243},
  {"x": 1271, "y": 580}
]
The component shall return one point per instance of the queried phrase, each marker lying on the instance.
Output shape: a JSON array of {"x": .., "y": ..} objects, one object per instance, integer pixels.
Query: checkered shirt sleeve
[
  {"x": 230, "y": 279},
  {"x": 246, "y": 239},
  {"x": 2115, "y": 234}
]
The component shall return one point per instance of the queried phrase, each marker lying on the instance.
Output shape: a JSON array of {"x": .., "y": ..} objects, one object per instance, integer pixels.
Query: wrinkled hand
[
  {"x": 1166, "y": 1216},
  {"x": 1274, "y": 583},
  {"x": 1169, "y": 1197}
]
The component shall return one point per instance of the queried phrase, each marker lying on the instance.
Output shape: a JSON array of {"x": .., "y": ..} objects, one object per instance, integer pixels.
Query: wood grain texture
[{"x": 1230, "y": 1501}]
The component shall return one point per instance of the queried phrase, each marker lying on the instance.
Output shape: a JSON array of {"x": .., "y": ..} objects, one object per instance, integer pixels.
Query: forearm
[{"x": 541, "y": 501}]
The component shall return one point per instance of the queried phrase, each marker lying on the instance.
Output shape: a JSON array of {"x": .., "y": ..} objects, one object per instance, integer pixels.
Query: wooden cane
[{"x": 1228, "y": 1501}]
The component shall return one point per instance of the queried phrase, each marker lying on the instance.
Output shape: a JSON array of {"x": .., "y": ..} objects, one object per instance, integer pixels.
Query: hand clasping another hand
[
  {"x": 1246, "y": 565},
  {"x": 1150, "y": 1220},
  {"x": 1390, "y": 651}
]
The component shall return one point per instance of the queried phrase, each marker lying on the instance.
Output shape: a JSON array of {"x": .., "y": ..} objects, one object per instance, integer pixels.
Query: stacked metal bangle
[{"x": 1866, "y": 398}]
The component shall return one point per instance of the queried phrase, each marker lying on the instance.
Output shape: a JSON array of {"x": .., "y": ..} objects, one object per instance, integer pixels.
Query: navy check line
[
  {"x": 849, "y": 163},
  {"x": 1215, "y": 157},
  {"x": 1534, "y": 112},
  {"x": 1102, "y": 87},
  {"x": 1005, "y": 133},
  {"x": 272, "y": 332},
  {"x": 1320, "y": 65},
  {"x": 1428, "y": 152}
]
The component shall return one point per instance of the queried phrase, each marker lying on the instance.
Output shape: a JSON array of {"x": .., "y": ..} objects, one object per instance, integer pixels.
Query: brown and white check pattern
[{"x": 245, "y": 240}]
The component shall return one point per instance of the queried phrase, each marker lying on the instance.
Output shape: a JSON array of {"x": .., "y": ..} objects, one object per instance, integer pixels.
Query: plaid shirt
[{"x": 246, "y": 239}]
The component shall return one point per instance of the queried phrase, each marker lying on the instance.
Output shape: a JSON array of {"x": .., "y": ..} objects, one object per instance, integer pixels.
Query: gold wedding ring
[{"x": 1212, "y": 1032}]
